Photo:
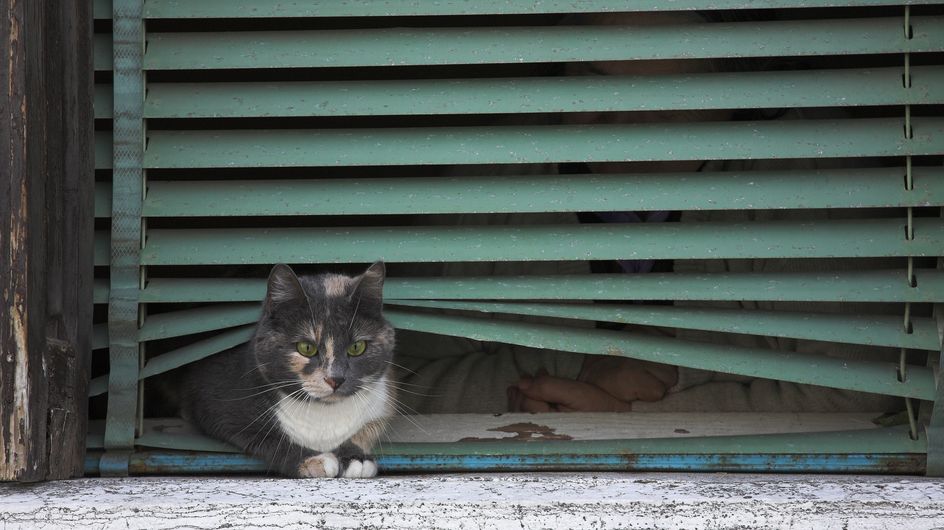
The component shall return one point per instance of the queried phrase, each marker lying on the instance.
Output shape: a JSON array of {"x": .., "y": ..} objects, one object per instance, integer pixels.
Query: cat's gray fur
[{"x": 270, "y": 401}]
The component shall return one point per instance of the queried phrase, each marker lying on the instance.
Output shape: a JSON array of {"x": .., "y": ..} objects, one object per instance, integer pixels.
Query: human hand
[
  {"x": 629, "y": 379},
  {"x": 545, "y": 393},
  {"x": 605, "y": 384}
]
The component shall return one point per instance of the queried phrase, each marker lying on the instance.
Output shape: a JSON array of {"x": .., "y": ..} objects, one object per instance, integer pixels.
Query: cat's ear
[
  {"x": 283, "y": 286},
  {"x": 369, "y": 286}
]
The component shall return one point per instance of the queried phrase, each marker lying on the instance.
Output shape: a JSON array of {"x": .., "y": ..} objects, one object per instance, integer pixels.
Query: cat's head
[{"x": 324, "y": 336}]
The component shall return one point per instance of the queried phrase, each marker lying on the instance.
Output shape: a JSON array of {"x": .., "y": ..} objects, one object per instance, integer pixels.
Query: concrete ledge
[{"x": 546, "y": 500}]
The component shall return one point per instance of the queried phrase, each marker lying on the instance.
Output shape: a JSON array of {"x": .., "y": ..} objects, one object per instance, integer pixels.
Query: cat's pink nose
[{"x": 334, "y": 383}]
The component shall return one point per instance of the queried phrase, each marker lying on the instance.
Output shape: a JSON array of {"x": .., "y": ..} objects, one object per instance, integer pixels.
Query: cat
[{"x": 311, "y": 391}]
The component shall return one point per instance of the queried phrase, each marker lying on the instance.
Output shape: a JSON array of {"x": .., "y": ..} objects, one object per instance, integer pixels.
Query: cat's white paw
[
  {"x": 324, "y": 465},
  {"x": 361, "y": 469}
]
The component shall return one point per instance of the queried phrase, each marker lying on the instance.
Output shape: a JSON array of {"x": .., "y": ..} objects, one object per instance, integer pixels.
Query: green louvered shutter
[{"x": 234, "y": 134}]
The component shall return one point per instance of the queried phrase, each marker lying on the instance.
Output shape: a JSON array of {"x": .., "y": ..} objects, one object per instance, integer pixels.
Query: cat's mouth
[{"x": 332, "y": 396}]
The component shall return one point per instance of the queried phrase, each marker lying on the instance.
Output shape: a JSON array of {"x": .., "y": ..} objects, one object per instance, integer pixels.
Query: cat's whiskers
[
  {"x": 257, "y": 367},
  {"x": 266, "y": 384},
  {"x": 279, "y": 387},
  {"x": 400, "y": 366},
  {"x": 270, "y": 422},
  {"x": 278, "y": 446},
  {"x": 270, "y": 410},
  {"x": 353, "y": 316},
  {"x": 423, "y": 394}
]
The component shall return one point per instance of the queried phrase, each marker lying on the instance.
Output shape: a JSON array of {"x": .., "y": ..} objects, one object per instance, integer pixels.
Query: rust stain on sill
[{"x": 523, "y": 432}]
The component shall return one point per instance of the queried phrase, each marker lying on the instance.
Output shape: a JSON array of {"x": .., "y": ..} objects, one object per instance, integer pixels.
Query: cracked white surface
[{"x": 548, "y": 500}]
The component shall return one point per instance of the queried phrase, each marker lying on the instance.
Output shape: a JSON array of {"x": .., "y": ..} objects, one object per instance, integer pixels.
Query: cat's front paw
[
  {"x": 324, "y": 465},
  {"x": 360, "y": 468}
]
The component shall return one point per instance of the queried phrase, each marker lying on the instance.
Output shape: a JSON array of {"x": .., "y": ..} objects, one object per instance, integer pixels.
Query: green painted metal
[
  {"x": 823, "y": 286},
  {"x": 873, "y": 187},
  {"x": 126, "y": 236},
  {"x": 99, "y": 336},
  {"x": 845, "y": 188},
  {"x": 101, "y": 254},
  {"x": 102, "y": 52},
  {"x": 187, "y": 354},
  {"x": 879, "y": 441},
  {"x": 445, "y": 46},
  {"x": 103, "y": 150},
  {"x": 545, "y": 458},
  {"x": 98, "y": 386},
  {"x": 190, "y": 321},
  {"x": 935, "y": 426},
  {"x": 873, "y": 441},
  {"x": 198, "y": 350},
  {"x": 873, "y": 330},
  {"x": 733, "y": 240},
  {"x": 102, "y": 199},
  {"x": 103, "y": 102},
  {"x": 333, "y": 8},
  {"x": 183, "y": 441},
  {"x": 543, "y": 144},
  {"x": 742, "y": 90},
  {"x": 101, "y": 9},
  {"x": 100, "y": 291},
  {"x": 160, "y": 433},
  {"x": 863, "y": 376}
]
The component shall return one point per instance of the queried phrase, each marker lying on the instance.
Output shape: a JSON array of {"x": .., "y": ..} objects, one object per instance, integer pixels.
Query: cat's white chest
[{"x": 323, "y": 427}]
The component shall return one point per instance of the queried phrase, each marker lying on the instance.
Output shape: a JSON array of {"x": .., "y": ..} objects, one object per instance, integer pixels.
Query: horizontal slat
[
  {"x": 443, "y": 428},
  {"x": 544, "y": 144},
  {"x": 101, "y": 50},
  {"x": 102, "y": 199},
  {"x": 781, "y": 239},
  {"x": 333, "y": 8},
  {"x": 888, "y": 450},
  {"x": 101, "y": 9},
  {"x": 99, "y": 336},
  {"x": 103, "y": 102},
  {"x": 824, "y": 286},
  {"x": 846, "y": 188},
  {"x": 102, "y": 250},
  {"x": 196, "y": 351},
  {"x": 181, "y": 356},
  {"x": 446, "y": 46},
  {"x": 100, "y": 291},
  {"x": 587, "y": 455},
  {"x": 863, "y": 376},
  {"x": 175, "y": 433},
  {"x": 873, "y": 330},
  {"x": 103, "y": 158},
  {"x": 190, "y": 321},
  {"x": 741, "y": 90}
]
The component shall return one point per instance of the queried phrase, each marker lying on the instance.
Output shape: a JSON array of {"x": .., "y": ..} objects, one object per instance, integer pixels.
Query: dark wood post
[{"x": 46, "y": 236}]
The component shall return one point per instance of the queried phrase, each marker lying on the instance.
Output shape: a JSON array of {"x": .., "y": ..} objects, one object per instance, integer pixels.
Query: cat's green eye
[
  {"x": 306, "y": 348},
  {"x": 357, "y": 348}
]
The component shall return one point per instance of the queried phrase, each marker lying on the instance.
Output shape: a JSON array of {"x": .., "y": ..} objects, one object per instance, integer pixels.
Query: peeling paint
[{"x": 526, "y": 431}]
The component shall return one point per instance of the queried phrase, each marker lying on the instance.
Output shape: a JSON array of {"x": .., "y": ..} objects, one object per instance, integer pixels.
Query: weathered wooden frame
[{"x": 46, "y": 236}]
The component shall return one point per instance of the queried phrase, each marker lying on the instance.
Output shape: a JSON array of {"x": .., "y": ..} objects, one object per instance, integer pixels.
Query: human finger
[{"x": 570, "y": 394}]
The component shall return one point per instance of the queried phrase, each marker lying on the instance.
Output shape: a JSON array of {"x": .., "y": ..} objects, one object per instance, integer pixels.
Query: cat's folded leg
[
  {"x": 354, "y": 454},
  {"x": 322, "y": 465},
  {"x": 292, "y": 460}
]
